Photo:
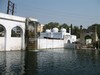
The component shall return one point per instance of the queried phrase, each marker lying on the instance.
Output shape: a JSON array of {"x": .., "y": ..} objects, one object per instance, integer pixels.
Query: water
[{"x": 50, "y": 62}]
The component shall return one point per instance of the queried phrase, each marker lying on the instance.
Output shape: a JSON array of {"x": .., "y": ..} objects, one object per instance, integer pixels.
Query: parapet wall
[
  {"x": 50, "y": 43},
  {"x": 15, "y": 43}
]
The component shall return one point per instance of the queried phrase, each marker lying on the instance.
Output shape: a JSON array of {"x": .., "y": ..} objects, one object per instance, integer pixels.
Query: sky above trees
[{"x": 76, "y": 12}]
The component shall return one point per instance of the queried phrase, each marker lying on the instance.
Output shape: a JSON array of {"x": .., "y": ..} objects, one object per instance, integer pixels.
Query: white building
[
  {"x": 12, "y": 34},
  {"x": 9, "y": 23},
  {"x": 54, "y": 34},
  {"x": 54, "y": 39}
]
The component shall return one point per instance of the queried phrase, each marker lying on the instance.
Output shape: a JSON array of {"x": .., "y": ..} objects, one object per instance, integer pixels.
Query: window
[
  {"x": 2, "y": 31},
  {"x": 16, "y": 32}
]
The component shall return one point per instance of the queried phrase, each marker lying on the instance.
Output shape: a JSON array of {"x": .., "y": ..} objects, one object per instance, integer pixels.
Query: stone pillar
[
  {"x": 31, "y": 35},
  {"x": 81, "y": 35}
]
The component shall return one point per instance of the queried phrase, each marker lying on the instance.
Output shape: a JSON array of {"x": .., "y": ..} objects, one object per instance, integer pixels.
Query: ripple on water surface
[{"x": 50, "y": 62}]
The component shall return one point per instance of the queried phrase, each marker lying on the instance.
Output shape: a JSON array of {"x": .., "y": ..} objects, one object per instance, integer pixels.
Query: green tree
[
  {"x": 92, "y": 29},
  {"x": 76, "y": 31},
  {"x": 51, "y": 25},
  {"x": 64, "y": 26}
]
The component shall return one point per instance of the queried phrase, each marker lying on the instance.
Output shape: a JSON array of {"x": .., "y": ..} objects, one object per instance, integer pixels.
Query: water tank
[
  {"x": 55, "y": 29},
  {"x": 48, "y": 30},
  {"x": 63, "y": 30}
]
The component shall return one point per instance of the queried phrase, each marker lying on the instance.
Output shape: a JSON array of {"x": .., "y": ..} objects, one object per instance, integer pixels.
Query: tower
[
  {"x": 10, "y": 7},
  {"x": 95, "y": 35},
  {"x": 82, "y": 35}
]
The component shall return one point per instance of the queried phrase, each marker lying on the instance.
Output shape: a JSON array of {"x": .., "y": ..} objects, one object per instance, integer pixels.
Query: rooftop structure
[{"x": 54, "y": 34}]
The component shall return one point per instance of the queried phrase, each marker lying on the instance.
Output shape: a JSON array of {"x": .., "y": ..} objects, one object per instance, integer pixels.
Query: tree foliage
[
  {"x": 74, "y": 29},
  {"x": 51, "y": 25},
  {"x": 92, "y": 29}
]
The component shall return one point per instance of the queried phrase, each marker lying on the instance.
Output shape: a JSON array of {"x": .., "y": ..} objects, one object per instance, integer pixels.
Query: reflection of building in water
[
  {"x": 11, "y": 63},
  {"x": 30, "y": 63},
  {"x": 2, "y": 63}
]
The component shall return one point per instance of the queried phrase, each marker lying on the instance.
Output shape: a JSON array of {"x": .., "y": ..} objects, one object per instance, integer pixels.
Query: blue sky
[{"x": 76, "y": 12}]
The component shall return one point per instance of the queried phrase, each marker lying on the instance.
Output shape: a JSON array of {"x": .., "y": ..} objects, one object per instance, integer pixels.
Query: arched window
[
  {"x": 88, "y": 37},
  {"x": 2, "y": 31},
  {"x": 16, "y": 32}
]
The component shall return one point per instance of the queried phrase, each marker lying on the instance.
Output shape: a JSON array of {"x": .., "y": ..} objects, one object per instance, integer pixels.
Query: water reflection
[
  {"x": 88, "y": 62},
  {"x": 2, "y": 63},
  {"x": 69, "y": 62},
  {"x": 50, "y": 62},
  {"x": 11, "y": 63},
  {"x": 56, "y": 62},
  {"x": 31, "y": 63}
]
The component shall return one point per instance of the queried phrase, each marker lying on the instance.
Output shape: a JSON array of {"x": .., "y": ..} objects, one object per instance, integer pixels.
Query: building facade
[{"x": 12, "y": 32}]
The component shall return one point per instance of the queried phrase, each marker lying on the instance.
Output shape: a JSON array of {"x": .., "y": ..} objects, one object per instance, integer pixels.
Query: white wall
[
  {"x": 50, "y": 43},
  {"x": 2, "y": 43},
  {"x": 9, "y": 25},
  {"x": 71, "y": 38},
  {"x": 56, "y": 43},
  {"x": 15, "y": 43},
  {"x": 58, "y": 35},
  {"x": 52, "y": 34}
]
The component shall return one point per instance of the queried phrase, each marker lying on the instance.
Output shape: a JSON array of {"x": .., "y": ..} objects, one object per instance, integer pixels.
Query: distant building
[
  {"x": 54, "y": 34},
  {"x": 40, "y": 28},
  {"x": 87, "y": 37}
]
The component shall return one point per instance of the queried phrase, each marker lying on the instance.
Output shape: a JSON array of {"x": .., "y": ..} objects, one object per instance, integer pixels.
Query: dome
[
  {"x": 55, "y": 29},
  {"x": 48, "y": 30},
  {"x": 63, "y": 30}
]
